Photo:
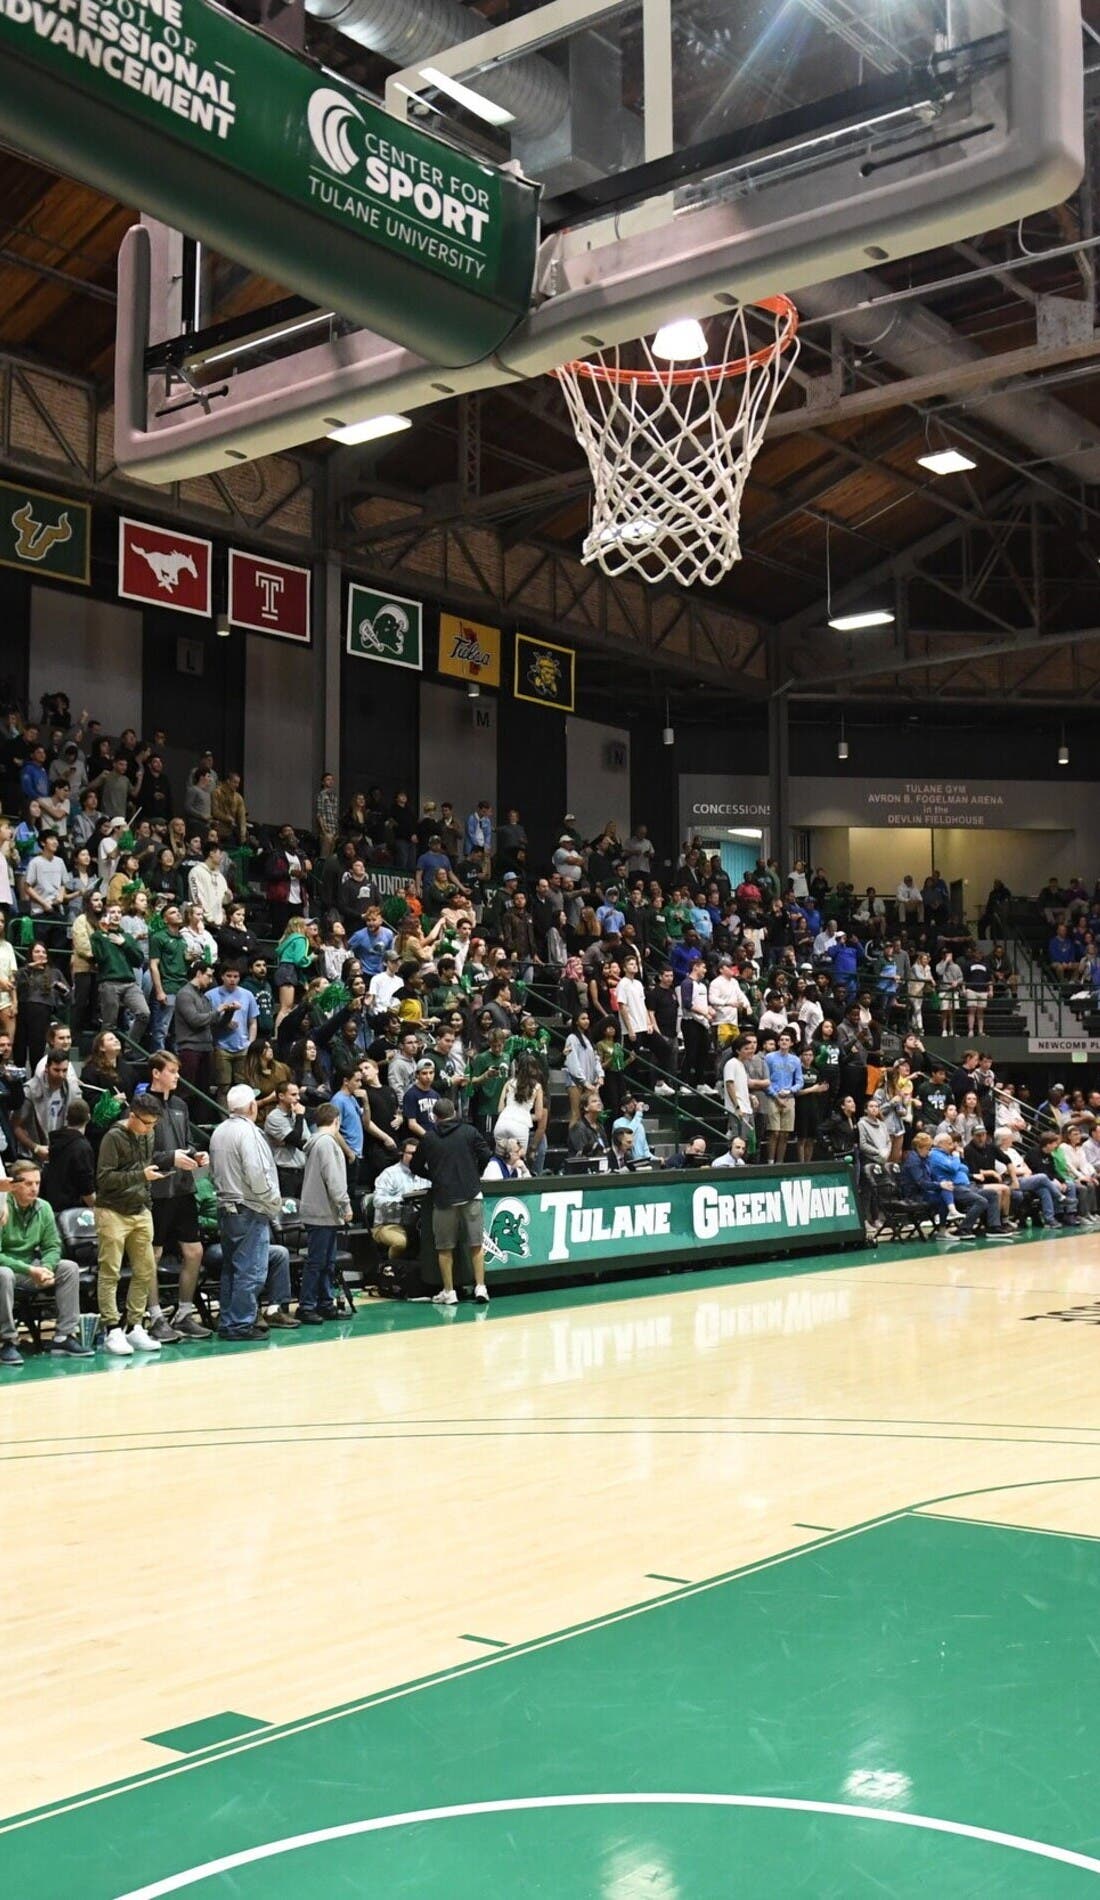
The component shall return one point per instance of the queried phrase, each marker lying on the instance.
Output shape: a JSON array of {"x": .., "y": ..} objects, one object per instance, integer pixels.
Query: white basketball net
[{"x": 670, "y": 448}]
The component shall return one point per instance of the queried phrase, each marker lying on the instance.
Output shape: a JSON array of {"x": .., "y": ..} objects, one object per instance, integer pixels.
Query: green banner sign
[
  {"x": 45, "y": 534},
  {"x": 385, "y": 627},
  {"x": 177, "y": 107},
  {"x": 591, "y": 1222}
]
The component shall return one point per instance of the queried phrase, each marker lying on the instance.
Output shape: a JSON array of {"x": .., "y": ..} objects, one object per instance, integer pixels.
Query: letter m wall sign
[
  {"x": 163, "y": 568},
  {"x": 269, "y": 596}
]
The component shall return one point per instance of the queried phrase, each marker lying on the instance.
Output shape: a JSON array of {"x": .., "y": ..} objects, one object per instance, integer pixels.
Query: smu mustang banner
[
  {"x": 184, "y": 111},
  {"x": 641, "y": 1217},
  {"x": 164, "y": 568}
]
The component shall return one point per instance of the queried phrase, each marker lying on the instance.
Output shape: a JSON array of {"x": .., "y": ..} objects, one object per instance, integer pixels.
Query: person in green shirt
[
  {"x": 258, "y": 981},
  {"x": 293, "y": 960},
  {"x": 30, "y": 1254},
  {"x": 677, "y": 917},
  {"x": 532, "y": 1040},
  {"x": 117, "y": 960},
  {"x": 168, "y": 968},
  {"x": 447, "y": 993},
  {"x": 485, "y": 1078}
]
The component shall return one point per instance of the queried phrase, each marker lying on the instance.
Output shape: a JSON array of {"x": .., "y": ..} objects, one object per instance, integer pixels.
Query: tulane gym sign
[
  {"x": 636, "y": 1218},
  {"x": 186, "y": 112}
]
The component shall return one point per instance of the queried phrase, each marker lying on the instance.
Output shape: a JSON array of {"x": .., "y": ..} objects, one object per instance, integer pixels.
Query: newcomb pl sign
[{"x": 179, "y": 108}]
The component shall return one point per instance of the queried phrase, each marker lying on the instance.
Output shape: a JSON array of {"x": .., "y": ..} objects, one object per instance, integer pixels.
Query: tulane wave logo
[{"x": 329, "y": 117}]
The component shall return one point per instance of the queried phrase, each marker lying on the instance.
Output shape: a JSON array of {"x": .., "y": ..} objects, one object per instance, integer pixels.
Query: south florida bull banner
[
  {"x": 637, "y": 1218},
  {"x": 45, "y": 534},
  {"x": 545, "y": 673},
  {"x": 385, "y": 627}
]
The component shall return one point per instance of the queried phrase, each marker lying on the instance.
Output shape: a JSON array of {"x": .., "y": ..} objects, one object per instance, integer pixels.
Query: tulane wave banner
[
  {"x": 579, "y": 1224},
  {"x": 178, "y": 108}
]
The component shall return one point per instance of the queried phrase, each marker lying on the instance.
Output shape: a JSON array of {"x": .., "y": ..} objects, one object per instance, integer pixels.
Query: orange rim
[{"x": 704, "y": 373}]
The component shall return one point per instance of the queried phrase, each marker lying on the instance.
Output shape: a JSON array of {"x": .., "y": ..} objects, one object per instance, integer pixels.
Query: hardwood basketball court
[{"x": 788, "y": 1535}]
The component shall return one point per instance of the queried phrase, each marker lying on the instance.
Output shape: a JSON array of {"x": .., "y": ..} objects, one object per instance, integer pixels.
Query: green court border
[{"x": 360, "y": 1705}]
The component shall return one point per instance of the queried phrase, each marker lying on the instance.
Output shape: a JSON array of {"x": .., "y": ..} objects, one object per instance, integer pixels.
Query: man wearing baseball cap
[{"x": 243, "y": 1170}]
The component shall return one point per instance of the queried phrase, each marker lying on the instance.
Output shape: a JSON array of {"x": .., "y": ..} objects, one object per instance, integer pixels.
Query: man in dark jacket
[
  {"x": 175, "y": 1210},
  {"x": 451, "y": 1156},
  {"x": 68, "y": 1178}
]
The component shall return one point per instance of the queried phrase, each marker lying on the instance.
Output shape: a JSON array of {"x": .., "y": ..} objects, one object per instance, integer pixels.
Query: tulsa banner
[{"x": 591, "y": 1222}]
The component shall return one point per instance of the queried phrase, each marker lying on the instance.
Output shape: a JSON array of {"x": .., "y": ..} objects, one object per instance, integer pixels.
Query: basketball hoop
[{"x": 668, "y": 455}]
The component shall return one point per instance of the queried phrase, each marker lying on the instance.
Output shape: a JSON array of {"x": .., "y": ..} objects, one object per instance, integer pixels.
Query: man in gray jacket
[
  {"x": 47, "y": 1099},
  {"x": 324, "y": 1208},
  {"x": 247, "y": 1186},
  {"x": 196, "y": 1021}
]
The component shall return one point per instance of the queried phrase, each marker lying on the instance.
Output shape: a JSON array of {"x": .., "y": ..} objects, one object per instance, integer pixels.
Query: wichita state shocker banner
[
  {"x": 545, "y": 673},
  {"x": 269, "y": 596},
  {"x": 164, "y": 568},
  {"x": 45, "y": 534}
]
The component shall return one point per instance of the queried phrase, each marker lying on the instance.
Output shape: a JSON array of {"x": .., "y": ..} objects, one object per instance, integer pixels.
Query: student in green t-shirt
[{"x": 485, "y": 1078}]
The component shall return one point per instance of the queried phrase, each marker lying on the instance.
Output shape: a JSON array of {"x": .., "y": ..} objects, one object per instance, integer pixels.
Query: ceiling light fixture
[
  {"x": 1063, "y": 750},
  {"x": 855, "y": 623},
  {"x": 842, "y": 743},
  {"x": 222, "y": 627},
  {"x": 352, "y": 433},
  {"x": 682, "y": 341},
  {"x": 464, "y": 96},
  {"x": 946, "y": 462}
]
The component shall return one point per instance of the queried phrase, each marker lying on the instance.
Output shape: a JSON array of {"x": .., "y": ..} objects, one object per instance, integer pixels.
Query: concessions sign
[
  {"x": 163, "y": 568},
  {"x": 269, "y": 596}
]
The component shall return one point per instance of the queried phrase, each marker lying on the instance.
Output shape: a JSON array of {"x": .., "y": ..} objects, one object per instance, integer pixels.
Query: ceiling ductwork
[
  {"x": 912, "y": 338},
  {"x": 408, "y": 31}
]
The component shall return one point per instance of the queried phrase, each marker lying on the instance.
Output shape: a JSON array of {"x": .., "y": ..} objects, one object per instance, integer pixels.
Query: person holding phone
[{"x": 124, "y": 1225}]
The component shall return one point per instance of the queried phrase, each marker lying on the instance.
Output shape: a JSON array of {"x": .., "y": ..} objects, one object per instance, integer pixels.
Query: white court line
[{"x": 990, "y": 1836}]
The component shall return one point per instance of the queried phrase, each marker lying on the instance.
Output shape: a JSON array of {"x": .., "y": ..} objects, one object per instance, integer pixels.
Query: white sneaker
[
  {"x": 117, "y": 1343},
  {"x": 481, "y": 1293},
  {"x": 141, "y": 1341},
  {"x": 446, "y": 1297}
]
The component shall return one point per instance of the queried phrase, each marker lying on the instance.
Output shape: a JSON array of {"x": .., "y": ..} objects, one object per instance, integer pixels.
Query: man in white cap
[
  {"x": 568, "y": 862},
  {"x": 243, "y": 1170}
]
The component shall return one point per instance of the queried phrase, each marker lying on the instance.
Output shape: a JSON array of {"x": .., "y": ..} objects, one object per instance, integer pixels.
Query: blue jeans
[
  {"x": 318, "y": 1272},
  {"x": 1054, "y": 1197},
  {"x": 246, "y": 1250},
  {"x": 162, "y": 1015}
]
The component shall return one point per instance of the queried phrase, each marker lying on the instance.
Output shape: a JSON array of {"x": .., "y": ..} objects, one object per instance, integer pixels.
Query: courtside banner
[
  {"x": 385, "y": 627},
  {"x": 164, "y": 568},
  {"x": 545, "y": 674},
  {"x": 269, "y": 596},
  {"x": 45, "y": 534},
  {"x": 633, "y": 1219},
  {"x": 468, "y": 650}
]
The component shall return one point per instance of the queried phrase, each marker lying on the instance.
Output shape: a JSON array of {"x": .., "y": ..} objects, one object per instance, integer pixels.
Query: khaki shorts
[
  {"x": 468, "y": 1218},
  {"x": 780, "y": 1115},
  {"x": 394, "y": 1239}
]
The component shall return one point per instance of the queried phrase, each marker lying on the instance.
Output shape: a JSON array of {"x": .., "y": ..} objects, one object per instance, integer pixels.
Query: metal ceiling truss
[
  {"x": 548, "y": 590},
  {"x": 55, "y": 428}
]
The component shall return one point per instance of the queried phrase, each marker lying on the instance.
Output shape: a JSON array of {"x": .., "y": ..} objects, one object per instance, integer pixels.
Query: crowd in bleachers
[{"x": 167, "y": 961}]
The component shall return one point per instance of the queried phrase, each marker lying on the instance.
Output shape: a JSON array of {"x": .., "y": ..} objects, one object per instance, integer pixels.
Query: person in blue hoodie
[
  {"x": 953, "y": 1179},
  {"x": 846, "y": 955}
]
